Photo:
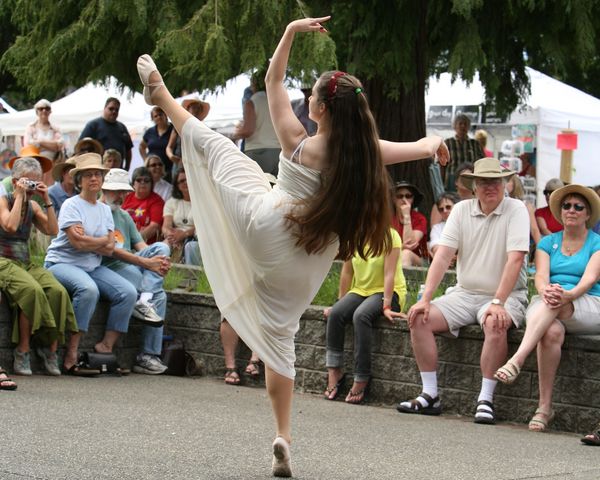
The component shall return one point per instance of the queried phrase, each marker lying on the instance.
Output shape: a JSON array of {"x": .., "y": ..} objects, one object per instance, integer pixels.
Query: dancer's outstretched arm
[
  {"x": 397, "y": 152},
  {"x": 288, "y": 128}
]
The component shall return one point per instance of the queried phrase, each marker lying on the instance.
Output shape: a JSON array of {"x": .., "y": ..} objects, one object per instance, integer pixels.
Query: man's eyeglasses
[
  {"x": 447, "y": 208},
  {"x": 113, "y": 109},
  {"x": 47, "y": 109},
  {"x": 401, "y": 196},
  {"x": 142, "y": 180},
  {"x": 577, "y": 206}
]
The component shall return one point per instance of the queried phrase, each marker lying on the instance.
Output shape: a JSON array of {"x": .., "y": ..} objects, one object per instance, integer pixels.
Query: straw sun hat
[
  {"x": 87, "y": 161},
  {"x": 557, "y": 197},
  {"x": 485, "y": 168}
]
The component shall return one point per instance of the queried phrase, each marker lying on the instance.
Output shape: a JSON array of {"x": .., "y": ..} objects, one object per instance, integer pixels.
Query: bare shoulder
[{"x": 314, "y": 152}]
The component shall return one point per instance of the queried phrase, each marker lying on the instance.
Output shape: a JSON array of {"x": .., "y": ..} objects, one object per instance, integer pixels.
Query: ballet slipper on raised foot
[
  {"x": 145, "y": 67},
  {"x": 282, "y": 463}
]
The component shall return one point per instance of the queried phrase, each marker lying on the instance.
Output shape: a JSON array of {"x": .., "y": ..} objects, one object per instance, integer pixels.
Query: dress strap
[{"x": 296, "y": 156}]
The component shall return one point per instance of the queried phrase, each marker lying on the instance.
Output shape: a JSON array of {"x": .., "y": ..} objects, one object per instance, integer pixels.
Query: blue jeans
[
  {"x": 362, "y": 312},
  {"x": 191, "y": 253},
  {"x": 148, "y": 281},
  {"x": 86, "y": 288}
]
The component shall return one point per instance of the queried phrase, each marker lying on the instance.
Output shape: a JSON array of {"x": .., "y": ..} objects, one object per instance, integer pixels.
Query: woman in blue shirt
[{"x": 567, "y": 270}]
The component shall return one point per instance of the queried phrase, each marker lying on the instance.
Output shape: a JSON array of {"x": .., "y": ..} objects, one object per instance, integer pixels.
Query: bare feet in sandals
[
  {"x": 357, "y": 393},
  {"x": 6, "y": 383},
  {"x": 508, "y": 373},
  {"x": 253, "y": 368},
  {"x": 232, "y": 377},
  {"x": 334, "y": 383}
]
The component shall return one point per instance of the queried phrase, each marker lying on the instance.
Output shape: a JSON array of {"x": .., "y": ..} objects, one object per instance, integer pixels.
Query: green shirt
[{"x": 126, "y": 236}]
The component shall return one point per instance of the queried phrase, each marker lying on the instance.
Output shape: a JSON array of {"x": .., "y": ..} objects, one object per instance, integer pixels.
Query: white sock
[
  {"x": 429, "y": 380},
  {"x": 488, "y": 386},
  {"x": 145, "y": 297}
]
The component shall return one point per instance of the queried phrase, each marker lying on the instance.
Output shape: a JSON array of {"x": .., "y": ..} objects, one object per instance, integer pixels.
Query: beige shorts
[
  {"x": 586, "y": 315},
  {"x": 462, "y": 307}
]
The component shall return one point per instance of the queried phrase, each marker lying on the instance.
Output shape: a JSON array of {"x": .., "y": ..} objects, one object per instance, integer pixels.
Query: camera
[{"x": 30, "y": 185}]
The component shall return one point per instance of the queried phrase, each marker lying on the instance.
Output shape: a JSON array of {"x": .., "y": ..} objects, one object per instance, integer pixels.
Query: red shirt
[
  {"x": 418, "y": 222},
  {"x": 552, "y": 223},
  {"x": 144, "y": 211}
]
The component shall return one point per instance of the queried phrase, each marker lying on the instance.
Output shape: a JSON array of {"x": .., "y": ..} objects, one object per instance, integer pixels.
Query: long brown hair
[{"x": 353, "y": 202}]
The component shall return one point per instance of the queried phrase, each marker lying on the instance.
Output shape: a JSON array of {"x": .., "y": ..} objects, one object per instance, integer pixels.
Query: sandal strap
[{"x": 427, "y": 397}]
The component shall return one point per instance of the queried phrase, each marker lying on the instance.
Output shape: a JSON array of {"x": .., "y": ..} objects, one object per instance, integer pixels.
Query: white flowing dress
[{"x": 262, "y": 282}]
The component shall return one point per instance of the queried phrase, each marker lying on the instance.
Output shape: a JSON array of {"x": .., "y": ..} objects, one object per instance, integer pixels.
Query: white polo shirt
[{"x": 483, "y": 242}]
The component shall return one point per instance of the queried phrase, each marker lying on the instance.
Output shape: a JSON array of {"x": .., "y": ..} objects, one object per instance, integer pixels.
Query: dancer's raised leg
[{"x": 159, "y": 94}]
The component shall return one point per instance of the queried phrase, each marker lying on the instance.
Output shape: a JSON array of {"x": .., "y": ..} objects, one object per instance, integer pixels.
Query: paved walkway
[{"x": 141, "y": 427}]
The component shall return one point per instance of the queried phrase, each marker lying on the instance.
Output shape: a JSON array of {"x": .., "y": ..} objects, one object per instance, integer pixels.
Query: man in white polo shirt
[{"x": 491, "y": 235}]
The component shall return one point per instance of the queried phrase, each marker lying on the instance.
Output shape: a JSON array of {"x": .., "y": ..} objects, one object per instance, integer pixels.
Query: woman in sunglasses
[
  {"x": 567, "y": 270},
  {"x": 45, "y": 136},
  {"x": 145, "y": 206},
  {"x": 410, "y": 224}
]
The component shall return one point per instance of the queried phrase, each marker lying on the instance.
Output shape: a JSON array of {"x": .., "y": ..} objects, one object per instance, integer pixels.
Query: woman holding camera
[{"x": 40, "y": 304}]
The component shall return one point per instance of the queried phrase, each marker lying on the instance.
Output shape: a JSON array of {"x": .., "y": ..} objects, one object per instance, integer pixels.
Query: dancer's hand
[
  {"x": 308, "y": 25},
  {"x": 443, "y": 154}
]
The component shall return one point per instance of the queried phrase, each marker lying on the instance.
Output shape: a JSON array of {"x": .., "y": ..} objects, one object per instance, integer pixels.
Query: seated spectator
[
  {"x": 144, "y": 266},
  {"x": 545, "y": 220},
  {"x": 369, "y": 288},
  {"x": 86, "y": 232},
  {"x": 515, "y": 189},
  {"x": 229, "y": 340},
  {"x": 156, "y": 139},
  {"x": 45, "y": 136},
  {"x": 29, "y": 151},
  {"x": 40, "y": 305},
  {"x": 178, "y": 227},
  {"x": 63, "y": 187},
  {"x": 568, "y": 301},
  {"x": 112, "y": 159},
  {"x": 89, "y": 145},
  {"x": 145, "y": 206},
  {"x": 462, "y": 192},
  {"x": 444, "y": 206},
  {"x": 482, "y": 137},
  {"x": 410, "y": 224},
  {"x": 491, "y": 235},
  {"x": 157, "y": 169},
  {"x": 6, "y": 383}
]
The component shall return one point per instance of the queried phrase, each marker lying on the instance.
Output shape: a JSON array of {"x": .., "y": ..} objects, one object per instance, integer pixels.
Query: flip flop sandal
[
  {"x": 336, "y": 388},
  {"x": 592, "y": 438},
  {"x": 362, "y": 393},
  {"x": 6, "y": 380},
  {"x": 484, "y": 414},
  {"x": 232, "y": 377},
  {"x": 507, "y": 373},
  {"x": 433, "y": 407},
  {"x": 541, "y": 420}
]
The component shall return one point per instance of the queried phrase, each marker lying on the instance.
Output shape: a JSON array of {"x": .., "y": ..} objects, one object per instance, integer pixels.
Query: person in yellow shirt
[{"x": 368, "y": 289}]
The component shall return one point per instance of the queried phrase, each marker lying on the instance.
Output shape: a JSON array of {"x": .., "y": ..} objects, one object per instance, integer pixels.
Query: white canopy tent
[
  {"x": 551, "y": 107},
  {"x": 6, "y": 106}
]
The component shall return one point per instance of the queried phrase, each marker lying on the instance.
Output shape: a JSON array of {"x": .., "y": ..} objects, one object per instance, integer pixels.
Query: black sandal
[
  {"x": 337, "y": 387},
  {"x": 362, "y": 393},
  {"x": 592, "y": 438},
  {"x": 484, "y": 413},
  {"x": 253, "y": 365},
  {"x": 5, "y": 380},
  {"x": 434, "y": 405},
  {"x": 232, "y": 376}
]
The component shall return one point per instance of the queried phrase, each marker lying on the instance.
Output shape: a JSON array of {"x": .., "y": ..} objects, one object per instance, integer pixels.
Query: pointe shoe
[
  {"x": 145, "y": 66},
  {"x": 282, "y": 464}
]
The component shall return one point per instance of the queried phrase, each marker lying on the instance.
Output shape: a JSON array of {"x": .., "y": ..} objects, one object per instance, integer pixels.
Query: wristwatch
[{"x": 497, "y": 301}]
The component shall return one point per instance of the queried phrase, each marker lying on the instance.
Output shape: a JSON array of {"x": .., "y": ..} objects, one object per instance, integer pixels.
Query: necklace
[{"x": 573, "y": 247}]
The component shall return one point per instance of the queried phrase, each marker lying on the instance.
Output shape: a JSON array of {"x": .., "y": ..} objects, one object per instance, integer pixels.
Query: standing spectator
[
  {"x": 86, "y": 232},
  {"x": 301, "y": 110},
  {"x": 178, "y": 227},
  {"x": 156, "y": 139},
  {"x": 491, "y": 235},
  {"x": 145, "y": 206},
  {"x": 40, "y": 304},
  {"x": 157, "y": 169},
  {"x": 462, "y": 149},
  {"x": 109, "y": 131},
  {"x": 144, "y": 266},
  {"x": 410, "y": 224},
  {"x": 199, "y": 110},
  {"x": 111, "y": 159},
  {"x": 543, "y": 216},
  {"x": 63, "y": 187},
  {"x": 261, "y": 143},
  {"x": 482, "y": 137},
  {"x": 45, "y": 136}
]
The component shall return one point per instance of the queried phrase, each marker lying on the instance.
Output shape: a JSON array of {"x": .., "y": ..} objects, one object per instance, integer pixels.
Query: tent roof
[{"x": 6, "y": 106}]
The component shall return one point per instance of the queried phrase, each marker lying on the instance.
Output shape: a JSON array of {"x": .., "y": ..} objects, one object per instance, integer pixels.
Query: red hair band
[{"x": 332, "y": 85}]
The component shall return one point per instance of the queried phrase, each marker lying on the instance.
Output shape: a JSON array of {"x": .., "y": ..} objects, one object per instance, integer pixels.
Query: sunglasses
[
  {"x": 577, "y": 206},
  {"x": 447, "y": 208},
  {"x": 152, "y": 165},
  {"x": 113, "y": 109},
  {"x": 548, "y": 192},
  {"x": 47, "y": 109},
  {"x": 401, "y": 196},
  {"x": 142, "y": 180}
]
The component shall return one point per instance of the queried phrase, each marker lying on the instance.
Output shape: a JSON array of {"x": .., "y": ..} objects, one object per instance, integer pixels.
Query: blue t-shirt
[
  {"x": 157, "y": 145},
  {"x": 58, "y": 196},
  {"x": 567, "y": 271},
  {"x": 110, "y": 135},
  {"x": 97, "y": 221},
  {"x": 126, "y": 236}
]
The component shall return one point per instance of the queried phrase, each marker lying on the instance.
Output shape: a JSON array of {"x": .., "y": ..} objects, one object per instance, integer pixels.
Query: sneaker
[
  {"x": 50, "y": 360},
  {"x": 22, "y": 364},
  {"x": 146, "y": 312},
  {"x": 149, "y": 365}
]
